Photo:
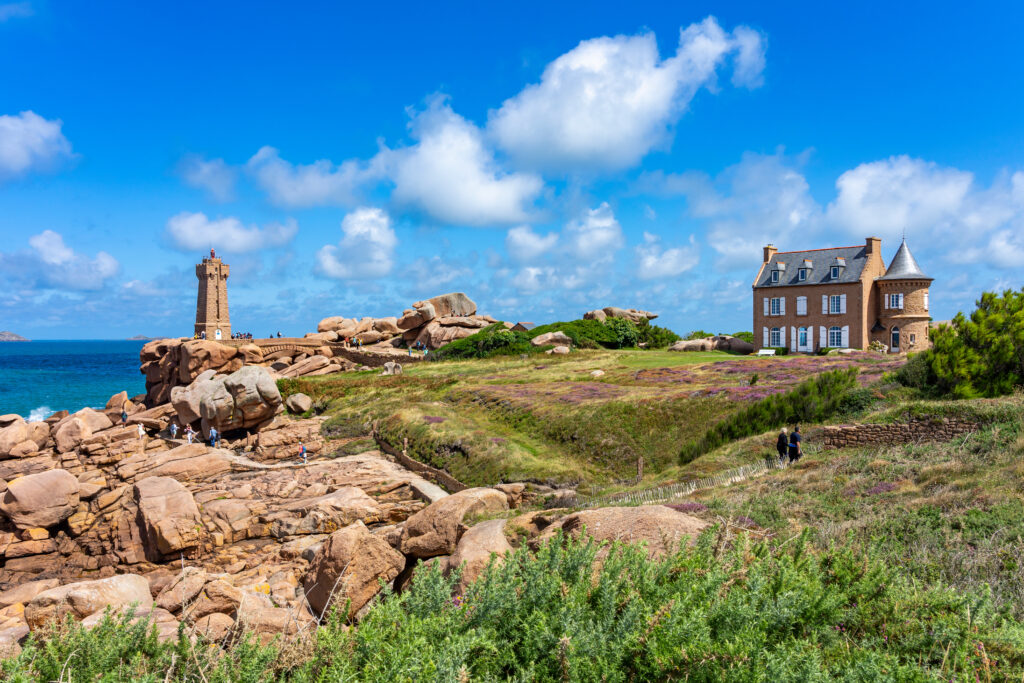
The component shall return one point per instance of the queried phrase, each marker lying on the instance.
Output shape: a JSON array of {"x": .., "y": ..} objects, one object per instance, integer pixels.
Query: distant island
[
  {"x": 142, "y": 337},
  {"x": 10, "y": 336}
]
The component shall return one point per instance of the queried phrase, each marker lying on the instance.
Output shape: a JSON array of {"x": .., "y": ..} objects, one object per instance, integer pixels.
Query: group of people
[
  {"x": 419, "y": 346},
  {"x": 241, "y": 335},
  {"x": 790, "y": 445}
]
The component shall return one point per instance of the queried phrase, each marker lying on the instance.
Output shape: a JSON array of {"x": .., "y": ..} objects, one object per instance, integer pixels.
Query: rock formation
[
  {"x": 718, "y": 343},
  {"x": 631, "y": 314}
]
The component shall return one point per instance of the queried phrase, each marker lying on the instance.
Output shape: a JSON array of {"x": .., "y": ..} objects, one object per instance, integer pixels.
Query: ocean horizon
[{"x": 42, "y": 376}]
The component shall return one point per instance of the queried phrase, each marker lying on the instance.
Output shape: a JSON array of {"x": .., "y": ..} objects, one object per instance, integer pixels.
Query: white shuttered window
[
  {"x": 824, "y": 304},
  {"x": 801, "y": 305}
]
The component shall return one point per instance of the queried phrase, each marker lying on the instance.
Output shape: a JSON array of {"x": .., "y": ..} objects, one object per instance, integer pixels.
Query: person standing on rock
[
  {"x": 142, "y": 437},
  {"x": 174, "y": 430},
  {"x": 188, "y": 434},
  {"x": 302, "y": 451},
  {"x": 124, "y": 417},
  {"x": 214, "y": 436},
  {"x": 795, "y": 445},
  {"x": 782, "y": 445}
]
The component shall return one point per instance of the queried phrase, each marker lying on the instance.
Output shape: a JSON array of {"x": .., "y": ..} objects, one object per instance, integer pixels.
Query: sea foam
[{"x": 39, "y": 414}]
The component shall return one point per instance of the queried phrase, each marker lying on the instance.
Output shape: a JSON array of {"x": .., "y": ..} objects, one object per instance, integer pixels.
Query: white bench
[{"x": 766, "y": 352}]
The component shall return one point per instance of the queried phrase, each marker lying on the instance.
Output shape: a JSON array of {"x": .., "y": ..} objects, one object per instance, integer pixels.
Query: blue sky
[{"x": 546, "y": 158}]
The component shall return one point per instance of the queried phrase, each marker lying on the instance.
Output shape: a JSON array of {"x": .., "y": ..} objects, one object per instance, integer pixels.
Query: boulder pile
[
  {"x": 431, "y": 323},
  {"x": 631, "y": 314},
  {"x": 718, "y": 343}
]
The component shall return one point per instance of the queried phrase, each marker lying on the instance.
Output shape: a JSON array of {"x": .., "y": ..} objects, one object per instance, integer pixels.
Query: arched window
[
  {"x": 216, "y": 335},
  {"x": 776, "y": 337},
  {"x": 835, "y": 337},
  {"x": 803, "y": 340},
  {"x": 895, "y": 339}
]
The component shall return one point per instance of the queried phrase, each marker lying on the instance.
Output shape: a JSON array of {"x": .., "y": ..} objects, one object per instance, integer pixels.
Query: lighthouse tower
[{"x": 212, "y": 318}]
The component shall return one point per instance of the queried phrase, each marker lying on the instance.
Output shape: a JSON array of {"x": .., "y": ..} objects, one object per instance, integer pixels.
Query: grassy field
[{"x": 547, "y": 419}]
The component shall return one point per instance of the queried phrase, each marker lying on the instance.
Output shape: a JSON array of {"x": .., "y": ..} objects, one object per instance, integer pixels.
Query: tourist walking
[
  {"x": 174, "y": 430},
  {"x": 124, "y": 417},
  {"x": 302, "y": 451},
  {"x": 189, "y": 433},
  {"x": 795, "y": 445},
  {"x": 782, "y": 445},
  {"x": 214, "y": 437}
]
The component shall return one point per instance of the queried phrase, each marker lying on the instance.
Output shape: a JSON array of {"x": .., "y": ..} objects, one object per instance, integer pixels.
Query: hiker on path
[
  {"x": 302, "y": 450},
  {"x": 214, "y": 436},
  {"x": 174, "y": 430},
  {"x": 782, "y": 445},
  {"x": 795, "y": 446}
]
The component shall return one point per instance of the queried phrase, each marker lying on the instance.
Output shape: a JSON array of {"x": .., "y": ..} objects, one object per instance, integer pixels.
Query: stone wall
[{"x": 915, "y": 431}]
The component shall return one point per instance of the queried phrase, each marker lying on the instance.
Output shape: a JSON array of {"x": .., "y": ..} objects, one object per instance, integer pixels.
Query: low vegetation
[{"x": 722, "y": 610}]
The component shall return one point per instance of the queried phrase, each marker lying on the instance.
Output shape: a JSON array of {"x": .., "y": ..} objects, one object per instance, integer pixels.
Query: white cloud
[
  {"x": 654, "y": 262},
  {"x": 52, "y": 264},
  {"x": 316, "y": 184},
  {"x": 525, "y": 246},
  {"x": 450, "y": 174},
  {"x": 28, "y": 142},
  {"x": 760, "y": 200},
  {"x": 196, "y": 232},
  {"x": 12, "y": 10},
  {"x": 214, "y": 176},
  {"x": 886, "y": 197},
  {"x": 609, "y": 101},
  {"x": 596, "y": 236},
  {"x": 366, "y": 249},
  {"x": 431, "y": 274}
]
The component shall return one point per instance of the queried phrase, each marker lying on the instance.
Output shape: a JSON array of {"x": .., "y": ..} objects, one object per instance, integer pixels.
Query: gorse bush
[
  {"x": 494, "y": 340},
  {"x": 812, "y": 401},
  {"x": 751, "y": 613},
  {"x": 745, "y": 336},
  {"x": 982, "y": 355},
  {"x": 654, "y": 337},
  {"x": 624, "y": 331}
]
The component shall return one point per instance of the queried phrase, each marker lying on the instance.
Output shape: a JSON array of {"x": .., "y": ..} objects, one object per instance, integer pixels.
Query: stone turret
[
  {"x": 212, "y": 318},
  {"x": 903, "y": 317}
]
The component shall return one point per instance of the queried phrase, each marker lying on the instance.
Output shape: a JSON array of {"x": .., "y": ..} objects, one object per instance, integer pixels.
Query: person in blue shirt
[
  {"x": 214, "y": 436},
  {"x": 795, "y": 445},
  {"x": 302, "y": 451}
]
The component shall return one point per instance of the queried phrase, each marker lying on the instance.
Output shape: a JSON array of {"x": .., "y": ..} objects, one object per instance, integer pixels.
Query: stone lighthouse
[{"x": 212, "y": 318}]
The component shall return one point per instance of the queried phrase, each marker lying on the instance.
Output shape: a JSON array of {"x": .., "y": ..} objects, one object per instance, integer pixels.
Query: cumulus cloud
[
  {"x": 52, "y": 264},
  {"x": 431, "y": 274},
  {"x": 28, "y": 142},
  {"x": 596, "y": 236},
  {"x": 452, "y": 175},
  {"x": 760, "y": 200},
  {"x": 213, "y": 176},
  {"x": 609, "y": 101},
  {"x": 195, "y": 232},
  {"x": 525, "y": 246},
  {"x": 897, "y": 194},
  {"x": 12, "y": 10},
  {"x": 366, "y": 249},
  {"x": 317, "y": 184},
  {"x": 654, "y": 262}
]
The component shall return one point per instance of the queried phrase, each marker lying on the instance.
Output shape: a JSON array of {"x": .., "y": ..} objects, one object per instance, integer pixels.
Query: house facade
[{"x": 841, "y": 297}]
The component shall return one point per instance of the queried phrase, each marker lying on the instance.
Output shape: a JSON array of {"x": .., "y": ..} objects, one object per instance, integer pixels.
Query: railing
[{"x": 662, "y": 494}]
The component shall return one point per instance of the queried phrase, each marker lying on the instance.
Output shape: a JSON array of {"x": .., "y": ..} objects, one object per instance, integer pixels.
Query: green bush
[
  {"x": 811, "y": 401},
  {"x": 654, "y": 337},
  {"x": 781, "y": 350},
  {"x": 698, "y": 334},
  {"x": 982, "y": 355},
  {"x": 745, "y": 336},
  {"x": 494, "y": 340},
  {"x": 916, "y": 373},
  {"x": 715, "y": 611},
  {"x": 585, "y": 334},
  {"x": 624, "y": 331}
]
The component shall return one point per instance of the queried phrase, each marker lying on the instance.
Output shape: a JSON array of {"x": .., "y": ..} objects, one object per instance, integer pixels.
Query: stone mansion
[{"x": 841, "y": 297}]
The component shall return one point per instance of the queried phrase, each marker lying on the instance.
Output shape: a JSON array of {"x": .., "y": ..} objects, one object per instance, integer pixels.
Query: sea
[{"x": 38, "y": 378}]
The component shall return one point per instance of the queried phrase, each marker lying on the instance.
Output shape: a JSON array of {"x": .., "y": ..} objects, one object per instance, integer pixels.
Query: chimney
[
  {"x": 769, "y": 251},
  {"x": 873, "y": 245}
]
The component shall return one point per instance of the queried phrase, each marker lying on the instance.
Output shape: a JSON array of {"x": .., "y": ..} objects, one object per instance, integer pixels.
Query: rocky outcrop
[
  {"x": 556, "y": 338},
  {"x": 350, "y": 566},
  {"x": 167, "y": 515},
  {"x": 245, "y": 398},
  {"x": 85, "y": 598},
  {"x": 21, "y": 438},
  {"x": 436, "y": 529},
  {"x": 632, "y": 314},
  {"x": 299, "y": 404},
  {"x": 40, "y": 500},
  {"x": 476, "y": 549},
  {"x": 662, "y": 529},
  {"x": 717, "y": 343}
]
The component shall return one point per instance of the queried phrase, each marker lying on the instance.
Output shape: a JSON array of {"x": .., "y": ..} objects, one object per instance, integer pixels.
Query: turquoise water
[{"x": 38, "y": 378}]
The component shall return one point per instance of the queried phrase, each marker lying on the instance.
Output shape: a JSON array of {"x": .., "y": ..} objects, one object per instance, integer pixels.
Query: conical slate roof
[{"x": 903, "y": 266}]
